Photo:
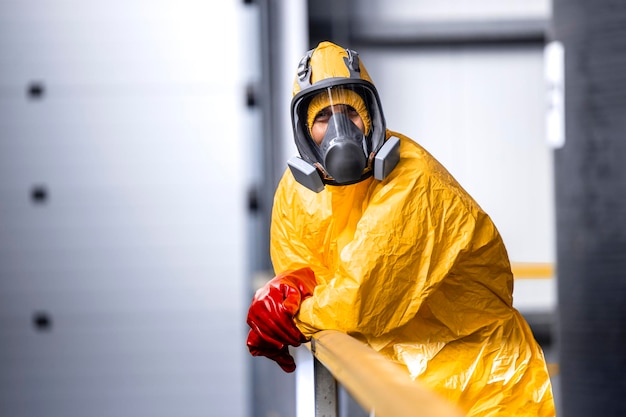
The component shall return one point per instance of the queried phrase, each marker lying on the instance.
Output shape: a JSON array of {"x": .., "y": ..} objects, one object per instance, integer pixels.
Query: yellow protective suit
[{"x": 413, "y": 266}]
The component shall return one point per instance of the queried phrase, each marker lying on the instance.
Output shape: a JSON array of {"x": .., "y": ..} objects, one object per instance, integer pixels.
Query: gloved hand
[
  {"x": 271, "y": 313},
  {"x": 259, "y": 347}
]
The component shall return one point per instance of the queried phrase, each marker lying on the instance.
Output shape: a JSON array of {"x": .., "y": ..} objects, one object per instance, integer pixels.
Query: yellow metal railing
[{"x": 377, "y": 384}]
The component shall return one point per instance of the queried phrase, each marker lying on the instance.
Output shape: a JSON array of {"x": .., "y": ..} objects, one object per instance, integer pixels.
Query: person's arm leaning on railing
[{"x": 375, "y": 382}]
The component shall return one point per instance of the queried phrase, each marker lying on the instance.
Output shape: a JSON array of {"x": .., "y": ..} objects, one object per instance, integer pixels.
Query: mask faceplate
[{"x": 343, "y": 149}]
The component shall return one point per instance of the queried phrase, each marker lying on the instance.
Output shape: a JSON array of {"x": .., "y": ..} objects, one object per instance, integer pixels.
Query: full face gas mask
[
  {"x": 339, "y": 130},
  {"x": 338, "y": 121}
]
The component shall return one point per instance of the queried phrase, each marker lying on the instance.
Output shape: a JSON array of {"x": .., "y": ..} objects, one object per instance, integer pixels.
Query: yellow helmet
[
  {"x": 332, "y": 74},
  {"x": 328, "y": 60}
]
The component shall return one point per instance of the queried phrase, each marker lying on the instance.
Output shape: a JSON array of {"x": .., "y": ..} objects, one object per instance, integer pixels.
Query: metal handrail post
[{"x": 326, "y": 398}]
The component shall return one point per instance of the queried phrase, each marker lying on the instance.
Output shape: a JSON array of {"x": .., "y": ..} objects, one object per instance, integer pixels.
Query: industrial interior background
[{"x": 141, "y": 141}]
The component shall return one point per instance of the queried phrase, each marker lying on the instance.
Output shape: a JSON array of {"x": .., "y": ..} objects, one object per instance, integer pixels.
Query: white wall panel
[
  {"x": 115, "y": 364},
  {"x": 122, "y": 140},
  {"x": 118, "y": 41},
  {"x": 137, "y": 254}
]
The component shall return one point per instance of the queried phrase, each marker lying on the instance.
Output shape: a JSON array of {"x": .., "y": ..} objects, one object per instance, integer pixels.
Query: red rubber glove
[
  {"x": 259, "y": 347},
  {"x": 271, "y": 315}
]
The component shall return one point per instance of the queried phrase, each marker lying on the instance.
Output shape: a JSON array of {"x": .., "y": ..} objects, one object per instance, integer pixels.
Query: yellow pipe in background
[
  {"x": 536, "y": 270},
  {"x": 532, "y": 270},
  {"x": 374, "y": 381}
]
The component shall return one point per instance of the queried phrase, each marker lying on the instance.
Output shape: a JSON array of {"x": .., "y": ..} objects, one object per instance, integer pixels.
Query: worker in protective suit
[{"x": 371, "y": 236}]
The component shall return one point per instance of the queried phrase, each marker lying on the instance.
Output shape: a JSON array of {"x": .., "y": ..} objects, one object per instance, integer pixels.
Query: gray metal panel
[
  {"x": 449, "y": 32},
  {"x": 591, "y": 208}
]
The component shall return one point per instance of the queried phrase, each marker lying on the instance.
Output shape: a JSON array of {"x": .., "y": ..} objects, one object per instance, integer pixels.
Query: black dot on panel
[
  {"x": 35, "y": 90},
  {"x": 42, "y": 321},
  {"x": 251, "y": 100},
  {"x": 39, "y": 194},
  {"x": 253, "y": 200}
]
